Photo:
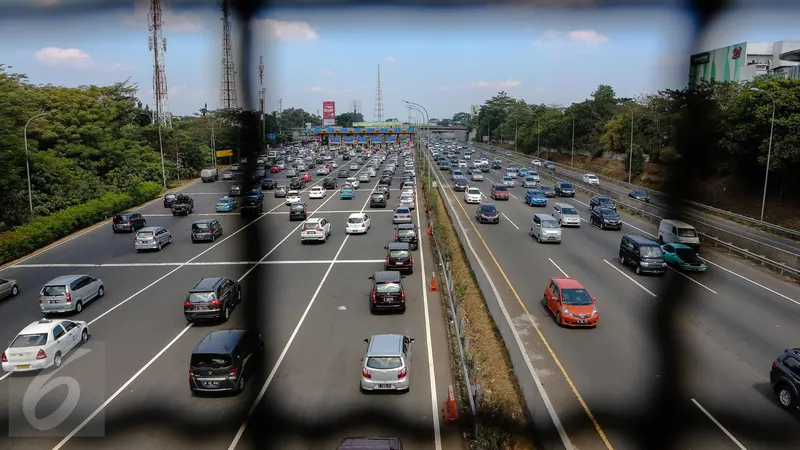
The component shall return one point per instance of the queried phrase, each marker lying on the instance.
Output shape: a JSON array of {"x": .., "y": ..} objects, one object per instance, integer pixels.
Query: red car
[
  {"x": 570, "y": 304},
  {"x": 274, "y": 169},
  {"x": 305, "y": 176},
  {"x": 499, "y": 192}
]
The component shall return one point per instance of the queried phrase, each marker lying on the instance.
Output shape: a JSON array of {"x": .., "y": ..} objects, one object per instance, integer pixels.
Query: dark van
[
  {"x": 370, "y": 443},
  {"x": 642, "y": 253},
  {"x": 224, "y": 360}
]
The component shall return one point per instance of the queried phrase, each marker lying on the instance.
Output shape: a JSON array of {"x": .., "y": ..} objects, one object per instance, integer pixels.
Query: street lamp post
[
  {"x": 427, "y": 116},
  {"x": 27, "y": 160},
  {"x": 769, "y": 150},
  {"x": 161, "y": 148}
]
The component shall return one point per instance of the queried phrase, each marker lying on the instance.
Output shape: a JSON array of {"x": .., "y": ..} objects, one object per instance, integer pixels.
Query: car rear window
[
  {"x": 399, "y": 254},
  {"x": 199, "y": 226},
  {"x": 406, "y": 232},
  {"x": 210, "y": 361},
  {"x": 384, "y": 362},
  {"x": 387, "y": 288},
  {"x": 488, "y": 209},
  {"x": 54, "y": 290},
  {"x": 354, "y": 220},
  {"x": 29, "y": 340},
  {"x": 144, "y": 234},
  {"x": 566, "y": 186},
  {"x": 121, "y": 218},
  {"x": 201, "y": 297}
]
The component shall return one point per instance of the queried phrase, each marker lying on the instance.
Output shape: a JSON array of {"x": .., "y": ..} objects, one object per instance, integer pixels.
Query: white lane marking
[
  {"x": 437, "y": 440},
  {"x": 719, "y": 425},
  {"x": 551, "y": 411},
  {"x": 628, "y": 277},
  {"x": 81, "y": 233},
  {"x": 207, "y": 263},
  {"x": 559, "y": 268},
  {"x": 754, "y": 282},
  {"x": 120, "y": 390},
  {"x": 693, "y": 280},
  {"x": 285, "y": 350},
  {"x": 509, "y": 221}
]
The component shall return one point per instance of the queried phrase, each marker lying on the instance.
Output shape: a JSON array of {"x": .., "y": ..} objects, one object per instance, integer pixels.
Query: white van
[
  {"x": 545, "y": 228},
  {"x": 672, "y": 231},
  {"x": 209, "y": 175}
]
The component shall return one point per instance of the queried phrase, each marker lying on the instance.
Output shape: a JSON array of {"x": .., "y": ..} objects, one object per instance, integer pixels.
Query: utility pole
[{"x": 280, "y": 112}]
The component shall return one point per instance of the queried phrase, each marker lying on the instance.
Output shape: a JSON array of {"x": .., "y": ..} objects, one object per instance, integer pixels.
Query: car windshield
[
  {"x": 145, "y": 234},
  {"x": 651, "y": 252},
  {"x": 609, "y": 214},
  {"x": 686, "y": 254},
  {"x": 569, "y": 211},
  {"x": 210, "y": 361},
  {"x": 530, "y": 179},
  {"x": 605, "y": 201},
  {"x": 474, "y": 192},
  {"x": 576, "y": 297},
  {"x": 384, "y": 362},
  {"x": 687, "y": 232},
  {"x": 591, "y": 177},
  {"x": 537, "y": 193},
  {"x": 29, "y": 340},
  {"x": 387, "y": 288},
  {"x": 199, "y": 226},
  {"x": 549, "y": 223},
  {"x": 488, "y": 209},
  {"x": 354, "y": 220},
  {"x": 640, "y": 193},
  {"x": 566, "y": 186},
  {"x": 500, "y": 188}
]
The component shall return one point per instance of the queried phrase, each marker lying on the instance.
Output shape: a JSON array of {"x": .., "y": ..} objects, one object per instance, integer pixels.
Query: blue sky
[{"x": 444, "y": 59}]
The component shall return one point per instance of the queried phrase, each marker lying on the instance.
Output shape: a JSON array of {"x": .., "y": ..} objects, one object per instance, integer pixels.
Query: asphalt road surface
[
  {"x": 736, "y": 322},
  {"x": 136, "y": 363},
  {"x": 658, "y": 205}
]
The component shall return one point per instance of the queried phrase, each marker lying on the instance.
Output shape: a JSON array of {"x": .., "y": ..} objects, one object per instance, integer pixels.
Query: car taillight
[
  {"x": 191, "y": 374},
  {"x": 774, "y": 364},
  {"x": 396, "y": 216},
  {"x": 410, "y": 259},
  {"x": 303, "y": 228},
  {"x": 365, "y": 372},
  {"x": 41, "y": 355},
  {"x": 69, "y": 298},
  {"x": 188, "y": 303},
  {"x": 233, "y": 372},
  {"x": 402, "y": 373},
  {"x": 387, "y": 260},
  {"x": 4, "y": 358},
  {"x": 319, "y": 229},
  {"x": 402, "y": 295},
  {"x": 374, "y": 297},
  {"x": 40, "y": 299},
  {"x": 215, "y": 303}
]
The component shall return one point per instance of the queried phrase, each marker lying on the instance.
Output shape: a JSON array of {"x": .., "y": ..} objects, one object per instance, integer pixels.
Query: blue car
[
  {"x": 226, "y": 204},
  {"x": 535, "y": 197},
  {"x": 347, "y": 193},
  {"x": 256, "y": 193},
  {"x": 523, "y": 172}
]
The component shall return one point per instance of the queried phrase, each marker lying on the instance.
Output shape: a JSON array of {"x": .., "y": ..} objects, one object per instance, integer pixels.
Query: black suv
[
  {"x": 639, "y": 194},
  {"x": 387, "y": 291},
  {"x": 407, "y": 232},
  {"x": 784, "y": 378},
  {"x": 377, "y": 200},
  {"x": 169, "y": 199},
  {"x": 603, "y": 202},
  {"x": 297, "y": 211},
  {"x": 224, "y": 360},
  {"x": 212, "y": 298},
  {"x": 297, "y": 183},
  {"x": 128, "y": 222},
  {"x": 252, "y": 205},
  {"x": 565, "y": 190},
  {"x": 460, "y": 184},
  {"x": 398, "y": 257},
  {"x": 206, "y": 230},
  {"x": 642, "y": 253},
  {"x": 487, "y": 213},
  {"x": 183, "y": 205},
  {"x": 605, "y": 218},
  {"x": 496, "y": 165},
  {"x": 330, "y": 183},
  {"x": 235, "y": 191},
  {"x": 386, "y": 180}
]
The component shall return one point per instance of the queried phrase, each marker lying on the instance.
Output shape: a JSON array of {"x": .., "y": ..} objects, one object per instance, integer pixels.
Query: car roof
[
  {"x": 151, "y": 229},
  {"x": 399, "y": 246},
  {"x": 404, "y": 226},
  {"x": 358, "y": 214},
  {"x": 543, "y": 216},
  {"x": 641, "y": 240},
  {"x": 206, "y": 284},
  {"x": 565, "y": 205},
  {"x": 385, "y": 345},
  {"x": 676, "y": 245},
  {"x": 42, "y": 325},
  {"x": 219, "y": 341},
  {"x": 314, "y": 219},
  {"x": 567, "y": 283},
  {"x": 203, "y": 221},
  {"x": 535, "y": 191},
  {"x": 676, "y": 223},
  {"x": 387, "y": 276},
  {"x": 607, "y": 210}
]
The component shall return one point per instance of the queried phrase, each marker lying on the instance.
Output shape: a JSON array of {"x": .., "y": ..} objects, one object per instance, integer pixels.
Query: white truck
[{"x": 209, "y": 175}]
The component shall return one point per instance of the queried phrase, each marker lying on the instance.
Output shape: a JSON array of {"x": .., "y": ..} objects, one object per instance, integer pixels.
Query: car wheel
[
  {"x": 213, "y": 237},
  {"x": 226, "y": 313},
  {"x": 786, "y": 397},
  {"x": 557, "y": 318},
  {"x": 14, "y": 291},
  {"x": 101, "y": 291},
  {"x": 78, "y": 306},
  {"x": 57, "y": 360},
  {"x": 240, "y": 385},
  {"x": 539, "y": 239},
  {"x": 622, "y": 259},
  {"x": 159, "y": 245},
  {"x": 85, "y": 335},
  {"x": 602, "y": 226},
  {"x": 638, "y": 270}
]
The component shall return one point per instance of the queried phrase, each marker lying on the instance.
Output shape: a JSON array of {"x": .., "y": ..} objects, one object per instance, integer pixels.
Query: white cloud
[
  {"x": 555, "y": 37},
  {"x": 286, "y": 30},
  {"x": 73, "y": 58},
  {"x": 327, "y": 73},
  {"x": 179, "y": 22},
  {"x": 391, "y": 59},
  {"x": 483, "y": 84}
]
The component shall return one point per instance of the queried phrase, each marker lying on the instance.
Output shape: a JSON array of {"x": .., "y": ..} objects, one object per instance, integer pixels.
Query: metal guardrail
[
  {"x": 750, "y": 221},
  {"x": 778, "y": 260}
]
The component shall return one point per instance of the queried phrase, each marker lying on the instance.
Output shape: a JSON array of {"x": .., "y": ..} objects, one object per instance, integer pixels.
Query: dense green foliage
[
  {"x": 94, "y": 140},
  {"x": 738, "y": 127},
  {"x": 45, "y": 230}
]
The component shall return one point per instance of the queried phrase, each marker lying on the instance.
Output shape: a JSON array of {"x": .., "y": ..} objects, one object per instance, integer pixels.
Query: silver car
[
  {"x": 477, "y": 175},
  {"x": 566, "y": 215},
  {"x": 8, "y": 288},
  {"x": 152, "y": 238},
  {"x": 363, "y": 178},
  {"x": 69, "y": 293},
  {"x": 407, "y": 201},
  {"x": 402, "y": 215},
  {"x": 386, "y": 363}
]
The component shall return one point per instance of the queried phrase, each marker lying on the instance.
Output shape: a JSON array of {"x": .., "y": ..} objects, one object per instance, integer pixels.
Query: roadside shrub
[{"x": 43, "y": 231}]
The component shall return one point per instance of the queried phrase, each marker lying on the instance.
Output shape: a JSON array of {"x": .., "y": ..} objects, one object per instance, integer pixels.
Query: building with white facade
[{"x": 745, "y": 61}]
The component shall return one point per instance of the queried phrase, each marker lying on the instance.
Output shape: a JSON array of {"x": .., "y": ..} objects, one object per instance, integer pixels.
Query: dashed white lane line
[
  {"x": 719, "y": 425},
  {"x": 559, "y": 268},
  {"x": 510, "y": 221},
  {"x": 204, "y": 263},
  {"x": 629, "y": 277}
]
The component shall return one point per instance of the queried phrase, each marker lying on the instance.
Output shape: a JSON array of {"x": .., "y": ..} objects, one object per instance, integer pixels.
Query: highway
[
  {"x": 737, "y": 320},
  {"x": 314, "y": 321},
  {"x": 658, "y": 205}
]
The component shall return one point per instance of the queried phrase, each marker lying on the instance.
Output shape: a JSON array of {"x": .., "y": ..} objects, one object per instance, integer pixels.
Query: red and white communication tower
[
  {"x": 158, "y": 45},
  {"x": 227, "y": 97}
]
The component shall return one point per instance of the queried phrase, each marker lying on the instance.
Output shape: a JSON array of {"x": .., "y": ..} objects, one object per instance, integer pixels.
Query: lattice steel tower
[
  {"x": 227, "y": 91},
  {"x": 354, "y": 106},
  {"x": 158, "y": 45},
  {"x": 379, "y": 98}
]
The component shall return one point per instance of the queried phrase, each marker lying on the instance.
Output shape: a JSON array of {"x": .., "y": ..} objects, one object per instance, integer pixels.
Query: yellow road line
[{"x": 538, "y": 330}]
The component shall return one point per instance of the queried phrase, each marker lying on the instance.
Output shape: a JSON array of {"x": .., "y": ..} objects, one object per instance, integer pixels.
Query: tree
[
  {"x": 346, "y": 119},
  {"x": 461, "y": 118}
]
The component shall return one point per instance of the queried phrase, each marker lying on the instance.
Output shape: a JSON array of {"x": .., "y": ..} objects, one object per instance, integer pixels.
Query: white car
[
  {"x": 508, "y": 181},
  {"x": 353, "y": 166},
  {"x": 44, "y": 344},
  {"x": 315, "y": 229},
  {"x": 590, "y": 178},
  {"x": 317, "y": 192},
  {"x": 408, "y": 191},
  {"x": 227, "y": 176},
  {"x": 292, "y": 197},
  {"x": 407, "y": 201},
  {"x": 352, "y": 182},
  {"x": 477, "y": 175},
  {"x": 363, "y": 178},
  {"x": 536, "y": 162},
  {"x": 334, "y": 164},
  {"x": 472, "y": 195},
  {"x": 322, "y": 171},
  {"x": 357, "y": 223}
]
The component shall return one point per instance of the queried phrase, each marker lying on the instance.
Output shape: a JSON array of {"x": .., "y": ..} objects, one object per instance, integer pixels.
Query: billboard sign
[
  {"x": 328, "y": 113},
  {"x": 223, "y": 153}
]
